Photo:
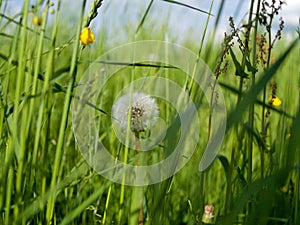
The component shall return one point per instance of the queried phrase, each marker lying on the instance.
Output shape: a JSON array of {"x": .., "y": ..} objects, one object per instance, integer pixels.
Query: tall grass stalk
[
  {"x": 18, "y": 142},
  {"x": 263, "y": 112},
  {"x": 246, "y": 52},
  {"x": 7, "y": 170},
  {"x": 190, "y": 86},
  {"x": 106, "y": 205},
  {"x": 252, "y": 108},
  {"x": 65, "y": 113},
  {"x": 190, "y": 90},
  {"x": 35, "y": 101}
]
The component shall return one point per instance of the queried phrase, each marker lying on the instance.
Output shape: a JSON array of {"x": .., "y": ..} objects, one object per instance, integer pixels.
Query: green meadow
[{"x": 48, "y": 68}]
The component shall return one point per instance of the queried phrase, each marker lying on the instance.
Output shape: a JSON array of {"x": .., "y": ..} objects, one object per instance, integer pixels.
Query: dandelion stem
[
  {"x": 138, "y": 149},
  {"x": 137, "y": 143},
  {"x": 137, "y": 192}
]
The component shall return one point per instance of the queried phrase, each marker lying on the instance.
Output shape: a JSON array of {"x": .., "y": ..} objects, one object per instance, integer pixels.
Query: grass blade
[{"x": 188, "y": 6}]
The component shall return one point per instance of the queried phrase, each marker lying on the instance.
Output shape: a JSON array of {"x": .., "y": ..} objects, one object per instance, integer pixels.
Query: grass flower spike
[
  {"x": 86, "y": 36},
  {"x": 144, "y": 111}
]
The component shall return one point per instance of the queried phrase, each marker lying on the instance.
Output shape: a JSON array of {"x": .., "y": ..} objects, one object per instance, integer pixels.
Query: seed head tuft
[{"x": 143, "y": 111}]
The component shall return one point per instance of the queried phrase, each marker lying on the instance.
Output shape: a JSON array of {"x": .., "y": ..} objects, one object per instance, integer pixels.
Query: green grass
[{"x": 255, "y": 179}]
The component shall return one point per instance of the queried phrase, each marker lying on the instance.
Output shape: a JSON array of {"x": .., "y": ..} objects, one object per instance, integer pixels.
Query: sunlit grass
[{"x": 45, "y": 180}]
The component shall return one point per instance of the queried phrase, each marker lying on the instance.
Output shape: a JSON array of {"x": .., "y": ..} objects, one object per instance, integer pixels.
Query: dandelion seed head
[{"x": 142, "y": 108}]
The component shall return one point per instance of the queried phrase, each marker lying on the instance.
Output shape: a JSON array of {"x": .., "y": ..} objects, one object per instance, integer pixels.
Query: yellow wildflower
[
  {"x": 87, "y": 36},
  {"x": 274, "y": 101},
  {"x": 37, "y": 20},
  {"x": 284, "y": 189}
]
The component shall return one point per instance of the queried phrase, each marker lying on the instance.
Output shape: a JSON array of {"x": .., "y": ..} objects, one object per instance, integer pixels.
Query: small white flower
[{"x": 144, "y": 112}]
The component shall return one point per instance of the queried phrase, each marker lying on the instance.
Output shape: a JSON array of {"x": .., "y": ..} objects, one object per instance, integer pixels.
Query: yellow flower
[
  {"x": 284, "y": 189},
  {"x": 37, "y": 20},
  {"x": 87, "y": 36},
  {"x": 274, "y": 101}
]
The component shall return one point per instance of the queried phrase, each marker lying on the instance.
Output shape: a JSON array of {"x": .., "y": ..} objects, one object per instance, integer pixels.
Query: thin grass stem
[
  {"x": 246, "y": 52},
  {"x": 60, "y": 142},
  {"x": 252, "y": 107},
  {"x": 20, "y": 149}
]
